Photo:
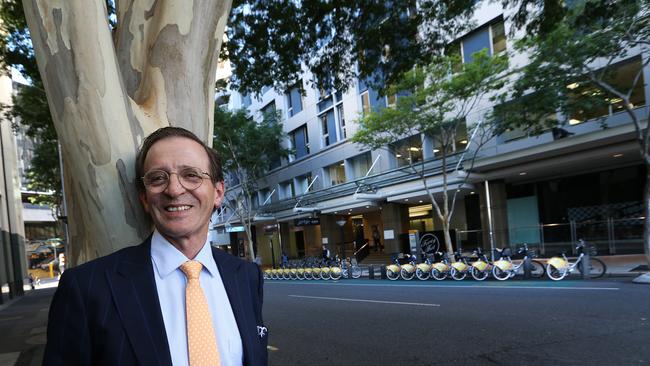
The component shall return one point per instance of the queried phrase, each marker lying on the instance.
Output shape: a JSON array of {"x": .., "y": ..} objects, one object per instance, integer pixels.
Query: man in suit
[{"x": 173, "y": 299}]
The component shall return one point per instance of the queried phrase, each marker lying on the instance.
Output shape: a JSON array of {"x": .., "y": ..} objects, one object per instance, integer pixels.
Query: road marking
[
  {"x": 487, "y": 286},
  {"x": 364, "y": 300},
  {"x": 11, "y": 318}
]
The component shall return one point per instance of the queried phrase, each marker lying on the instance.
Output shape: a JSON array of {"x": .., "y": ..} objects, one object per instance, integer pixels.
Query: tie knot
[{"x": 192, "y": 269}]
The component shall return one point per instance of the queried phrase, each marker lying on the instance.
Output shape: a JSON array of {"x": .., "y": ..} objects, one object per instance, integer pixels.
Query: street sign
[{"x": 306, "y": 221}]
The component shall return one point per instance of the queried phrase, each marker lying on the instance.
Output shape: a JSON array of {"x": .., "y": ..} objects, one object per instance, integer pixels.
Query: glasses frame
[{"x": 169, "y": 179}]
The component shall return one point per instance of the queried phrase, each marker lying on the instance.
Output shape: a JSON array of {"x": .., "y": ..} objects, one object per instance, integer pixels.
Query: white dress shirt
[{"x": 170, "y": 283}]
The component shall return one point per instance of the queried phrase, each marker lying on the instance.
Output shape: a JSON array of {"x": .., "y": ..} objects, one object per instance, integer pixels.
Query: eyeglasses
[{"x": 157, "y": 181}]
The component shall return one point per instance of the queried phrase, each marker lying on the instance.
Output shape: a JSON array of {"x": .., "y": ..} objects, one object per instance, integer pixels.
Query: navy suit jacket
[{"x": 107, "y": 312}]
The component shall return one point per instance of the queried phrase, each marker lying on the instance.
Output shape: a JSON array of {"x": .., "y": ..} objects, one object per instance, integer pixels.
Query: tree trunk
[{"x": 106, "y": 94}]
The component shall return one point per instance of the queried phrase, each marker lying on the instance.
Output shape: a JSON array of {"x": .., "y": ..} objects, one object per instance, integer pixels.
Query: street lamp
[{"x": 341, "y": 222}]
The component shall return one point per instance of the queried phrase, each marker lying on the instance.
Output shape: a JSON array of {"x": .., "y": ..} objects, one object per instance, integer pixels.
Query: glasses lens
[
  {"x": 156, "y": 179},
  {"x": 191, "y": 178}
]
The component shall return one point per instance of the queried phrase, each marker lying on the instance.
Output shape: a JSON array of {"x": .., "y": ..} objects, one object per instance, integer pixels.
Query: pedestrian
[
  {"x": 123, "y": 309},
  {"x": 285, "y": 260},
  {"x": 326, "y": 253},
  {"x": 376, "y": 238},
  {"x": 32, "y": 280}
]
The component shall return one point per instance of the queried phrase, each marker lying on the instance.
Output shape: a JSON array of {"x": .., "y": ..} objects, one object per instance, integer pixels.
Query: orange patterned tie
[{"x": 201, "y": 340}]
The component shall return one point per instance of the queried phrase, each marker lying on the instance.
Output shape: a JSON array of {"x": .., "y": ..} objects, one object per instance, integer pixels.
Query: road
[{"x": 363, "y": 322}]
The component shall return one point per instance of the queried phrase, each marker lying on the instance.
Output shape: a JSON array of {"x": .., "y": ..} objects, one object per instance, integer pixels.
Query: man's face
[{"x": 177, "y": 213}]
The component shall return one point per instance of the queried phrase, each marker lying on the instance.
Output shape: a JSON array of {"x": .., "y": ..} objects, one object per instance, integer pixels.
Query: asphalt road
[{"x": 364, "y": 322}]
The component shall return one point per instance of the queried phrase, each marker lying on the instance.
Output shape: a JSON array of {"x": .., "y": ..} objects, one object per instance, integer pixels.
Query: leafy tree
[
  {"x": 440, "y": 96},
  {"x": 270, "y": 42},
  {"x": 29, "y": 105},
  {"x": 575, "y": 69},
  {"x": 247, "y": 149}
]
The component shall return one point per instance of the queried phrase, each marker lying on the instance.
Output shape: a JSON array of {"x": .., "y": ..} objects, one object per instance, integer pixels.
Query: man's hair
[{"x": 216, "y": 174}]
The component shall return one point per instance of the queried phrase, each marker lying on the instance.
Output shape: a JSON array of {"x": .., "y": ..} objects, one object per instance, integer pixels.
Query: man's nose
[{"x": 174, "y": 188}]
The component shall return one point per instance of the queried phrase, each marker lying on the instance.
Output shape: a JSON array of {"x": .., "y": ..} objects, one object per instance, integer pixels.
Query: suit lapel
[
  {"x": 134, "y": 289},
  {"x": 231, "y": 275}
]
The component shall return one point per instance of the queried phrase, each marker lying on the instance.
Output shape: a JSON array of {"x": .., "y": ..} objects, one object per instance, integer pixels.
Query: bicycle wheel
[
  {"x": 421, "y": 275},
  {"x": 458, "y": 275},
  {"x": 407, "y": 275},
  {"x": 554, "y": 273},
  {"x": 500, "y": 274},
  {"x": 356, "y": 272},
  {"x": 478, "y": 274},
  {"x": 597, "y": 268},
  {"x": 336, "y": 275},
  {"x": 392, "y": 275},
  {"x": 437, "y": 275},
  {"x": 536, "y": 269},
  {"x": 308, "y": 275}
]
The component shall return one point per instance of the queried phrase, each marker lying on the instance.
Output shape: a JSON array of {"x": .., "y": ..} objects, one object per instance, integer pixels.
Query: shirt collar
[{"x": 167, "y": 258}]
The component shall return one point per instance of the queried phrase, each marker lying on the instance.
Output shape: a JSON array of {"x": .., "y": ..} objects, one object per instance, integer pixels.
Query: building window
[
  {"x": 268, "y": 111},
  {"x": 458, "y": 141},
  {"x": 287, "y": 190},
  {"x": 263, "y": 196},
  {"x": 391, "y": 100},
  {"x": 408, "y": 151},
  {"x": 328, "y": 128},
  {"x": 341, "y": 116},
  {"x": 515, "y": 111},
  {"x": 491, "y": 36},
  {"x": 365, "y": 103},
  {"x": 601, "y": 104},
  {"x": 336, "y": 173},
  {"x": 245, "y": 100},
  {"x": 299, "y": 142},
  {"x": 294, "y": 101},
  {"x": 361, "y": 164},
  {"x": 302, "y": 182}
]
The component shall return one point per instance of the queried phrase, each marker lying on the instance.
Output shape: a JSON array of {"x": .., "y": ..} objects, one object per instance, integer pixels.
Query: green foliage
[
  {"x": 269, "y": 42},
  {"x": 29, "y": 106},
  {"x": 439, "y": 97},
  {"x": 574, "y": 67},
  {"x": 247, "y": 147}
]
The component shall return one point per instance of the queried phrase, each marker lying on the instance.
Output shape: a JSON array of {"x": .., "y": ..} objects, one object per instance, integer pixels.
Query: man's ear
[
  {"x": 143, "y": 201},
  {"x": 219, "y": 191}
]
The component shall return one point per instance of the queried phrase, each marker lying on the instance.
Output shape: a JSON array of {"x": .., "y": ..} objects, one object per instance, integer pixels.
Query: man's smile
[{"x": 177, "y": 208}]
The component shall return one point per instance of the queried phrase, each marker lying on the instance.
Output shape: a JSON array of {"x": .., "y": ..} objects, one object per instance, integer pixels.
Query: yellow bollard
[{"x": 51, "y": 270}]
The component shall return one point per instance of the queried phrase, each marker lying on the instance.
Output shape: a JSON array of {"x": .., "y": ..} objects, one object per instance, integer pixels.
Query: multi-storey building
[{"x": 578, "y": 181}]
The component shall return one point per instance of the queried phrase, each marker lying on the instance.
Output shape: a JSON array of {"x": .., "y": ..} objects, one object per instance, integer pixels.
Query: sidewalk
[
  {"x": 23, "y": 322},
  {"x": 625, "y": 265}
]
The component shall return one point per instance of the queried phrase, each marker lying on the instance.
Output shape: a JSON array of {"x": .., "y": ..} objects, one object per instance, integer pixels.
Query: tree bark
[{"x": 107, "y": 94}]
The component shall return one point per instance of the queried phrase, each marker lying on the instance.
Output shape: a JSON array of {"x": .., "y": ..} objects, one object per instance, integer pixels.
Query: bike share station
[{"x": 421, "y": 262}]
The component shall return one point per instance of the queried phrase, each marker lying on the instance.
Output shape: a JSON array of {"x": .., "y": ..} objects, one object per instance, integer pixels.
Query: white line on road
[
  {"x": 364, "y": 300},
  {"x": 446, "y": 286}
]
